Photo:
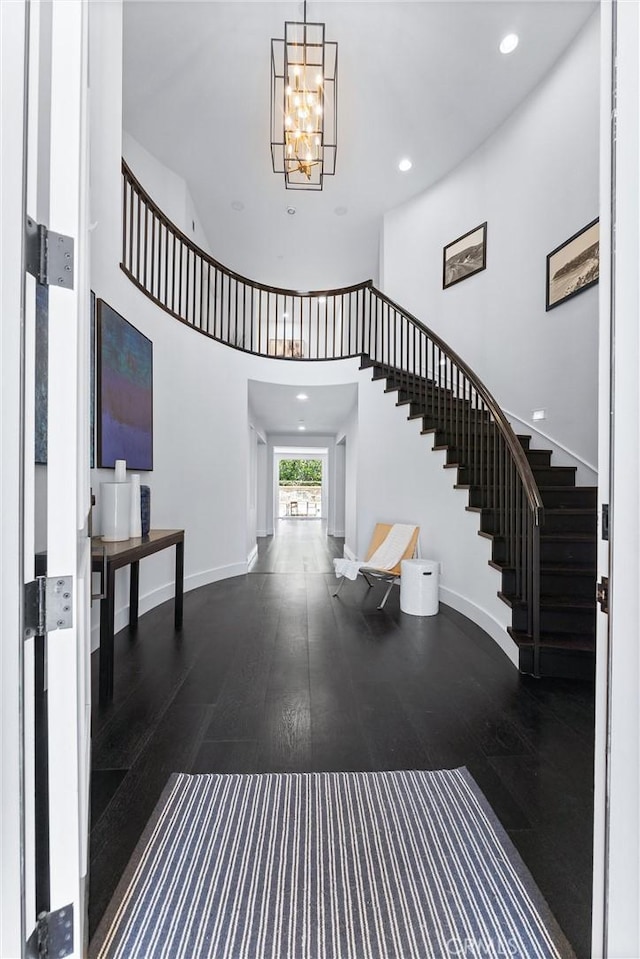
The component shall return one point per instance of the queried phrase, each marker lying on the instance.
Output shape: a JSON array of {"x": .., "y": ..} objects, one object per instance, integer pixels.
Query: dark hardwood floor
[{"x": 271, "y": 673}]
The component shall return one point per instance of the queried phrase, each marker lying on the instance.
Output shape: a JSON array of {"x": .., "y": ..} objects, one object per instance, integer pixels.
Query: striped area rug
[{"x": 389, "y": 865}]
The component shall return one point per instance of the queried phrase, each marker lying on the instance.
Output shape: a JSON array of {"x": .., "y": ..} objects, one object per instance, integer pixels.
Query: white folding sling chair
[{"x": 379, "y": 547}]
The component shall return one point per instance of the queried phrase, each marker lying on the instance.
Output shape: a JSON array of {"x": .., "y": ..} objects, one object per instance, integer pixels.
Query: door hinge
[
  {"x": 49, "y": 255},
  {"x": 602, "y": 594},
  {"x": 48, "y": 605},
  {"x": 53, "y": 935}
]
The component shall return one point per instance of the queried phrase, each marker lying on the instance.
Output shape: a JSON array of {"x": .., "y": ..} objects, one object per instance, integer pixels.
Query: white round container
[
  {"x": 419, "y": 587},
  {"x": 115, "y": 506}
]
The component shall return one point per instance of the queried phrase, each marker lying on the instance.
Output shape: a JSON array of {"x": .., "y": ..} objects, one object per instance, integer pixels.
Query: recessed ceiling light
[
  {"x": 340, "y": 210},
  {"x": 237, "y": 205},
  {"x": 302, "y": 427},
  {"x": 405, "y": 165},
  {"x": 302, "y": 396},
  {"x": 509, "y": 43},
  {"x": 291, "y": 210}
]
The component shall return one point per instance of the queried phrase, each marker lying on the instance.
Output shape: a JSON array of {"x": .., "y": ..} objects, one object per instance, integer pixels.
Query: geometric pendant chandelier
[{"x": 304, "y": 105}]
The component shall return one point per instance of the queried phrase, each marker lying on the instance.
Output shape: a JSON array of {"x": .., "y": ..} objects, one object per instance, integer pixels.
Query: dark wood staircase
[{"x": 567, "y": 538}]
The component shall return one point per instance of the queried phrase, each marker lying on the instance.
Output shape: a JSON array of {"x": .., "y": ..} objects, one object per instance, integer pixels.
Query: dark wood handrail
[{"x": 524, "y": 468}]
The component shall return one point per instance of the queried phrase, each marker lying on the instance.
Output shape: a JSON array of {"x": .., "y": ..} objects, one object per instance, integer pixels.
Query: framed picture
[
  {"x": 124, "y": 392},
  {"x": 291, "y": 348},
  {"x": 574, "y": 266},
  {"x": 465, "y": 256}
]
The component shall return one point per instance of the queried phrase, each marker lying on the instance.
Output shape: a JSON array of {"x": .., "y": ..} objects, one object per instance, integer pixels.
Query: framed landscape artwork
[
  {"x": 573, "y": 266},
  {"x": 124, "y": 392},
  {"x": 465, "y": 256},
  {"x": 291, "y": 348}
]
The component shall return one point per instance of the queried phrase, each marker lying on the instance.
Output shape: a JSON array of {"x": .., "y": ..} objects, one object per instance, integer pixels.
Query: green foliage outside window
[{"x": 300, "y": 472}]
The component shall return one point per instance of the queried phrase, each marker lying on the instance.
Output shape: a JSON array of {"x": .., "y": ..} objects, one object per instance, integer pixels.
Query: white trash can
[{"x": 419, "y": 587}]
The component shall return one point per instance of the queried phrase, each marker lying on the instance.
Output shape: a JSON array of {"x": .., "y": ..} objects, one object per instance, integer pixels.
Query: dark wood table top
[{"x": 130, "y": 550}]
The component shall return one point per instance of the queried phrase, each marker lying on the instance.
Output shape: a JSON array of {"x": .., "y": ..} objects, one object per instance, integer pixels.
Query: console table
[{"x": 106, "y": 558}]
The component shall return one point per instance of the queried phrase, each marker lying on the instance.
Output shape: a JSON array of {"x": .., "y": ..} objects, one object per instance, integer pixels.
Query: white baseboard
[
  {"x": 338, "y": 532},
  {"x": 163, "y": 593},
  {"x": 252, "y": 557},
  {"x": 482, "y": 618},
  {"x": 262, "y": 532},
  {"x": 348, "y": 554}
]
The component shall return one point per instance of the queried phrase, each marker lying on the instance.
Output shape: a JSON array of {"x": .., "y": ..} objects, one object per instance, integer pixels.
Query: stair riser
[
  {"x": 580, "y": 585},
  {"x": 571, "y": 523},
  {"x": 483, "y": 455},
  {"x": 579, "y": 553},
  {"x": 572, "y": 553},
  {"x": 578, "y": 497},
  {"x": 551, "y": 476},
  {"x": 559, "y": 664},
  {"x": 581, "y": 621}
]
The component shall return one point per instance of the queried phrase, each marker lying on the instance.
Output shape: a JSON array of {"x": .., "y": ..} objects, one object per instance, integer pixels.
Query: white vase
[
  {"x": 135, "y": 519},
  {"x": 115, "y": 505},
  {"x": 121, "y": 471}
]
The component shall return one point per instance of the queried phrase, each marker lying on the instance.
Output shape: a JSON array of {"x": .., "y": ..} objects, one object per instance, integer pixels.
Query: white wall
[
  {"x": 339, "y": 489},
  {"x": 159, "y": 181},
  {"x": 349, "y": 437},
  {"x": 401, "y": 480},
  {"x": 535, "y": 182},
  {"x": 261, "y": 517}
]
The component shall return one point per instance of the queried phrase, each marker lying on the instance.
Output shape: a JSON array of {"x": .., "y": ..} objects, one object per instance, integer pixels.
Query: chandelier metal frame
[{"x": 304, "y": 105}]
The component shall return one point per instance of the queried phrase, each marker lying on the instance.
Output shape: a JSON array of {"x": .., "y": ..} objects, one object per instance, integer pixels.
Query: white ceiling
[
  {"x": 422, "y": 79},
  {"x": 417, "y": 79},
  {"x": 275, "y": 409}
]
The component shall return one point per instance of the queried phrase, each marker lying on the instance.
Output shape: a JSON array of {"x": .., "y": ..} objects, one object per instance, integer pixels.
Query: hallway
[{"x": 270, "y": 673}]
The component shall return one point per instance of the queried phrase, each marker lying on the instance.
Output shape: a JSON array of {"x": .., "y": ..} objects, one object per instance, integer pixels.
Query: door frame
[
  {"x": 64, "y": 209},
  {"x": 616, "y": 925},
  {"x": 13, "y": 41}
]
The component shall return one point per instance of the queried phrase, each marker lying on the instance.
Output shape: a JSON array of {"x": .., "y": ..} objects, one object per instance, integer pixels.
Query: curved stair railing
[{"x": 356, "y": 321}]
